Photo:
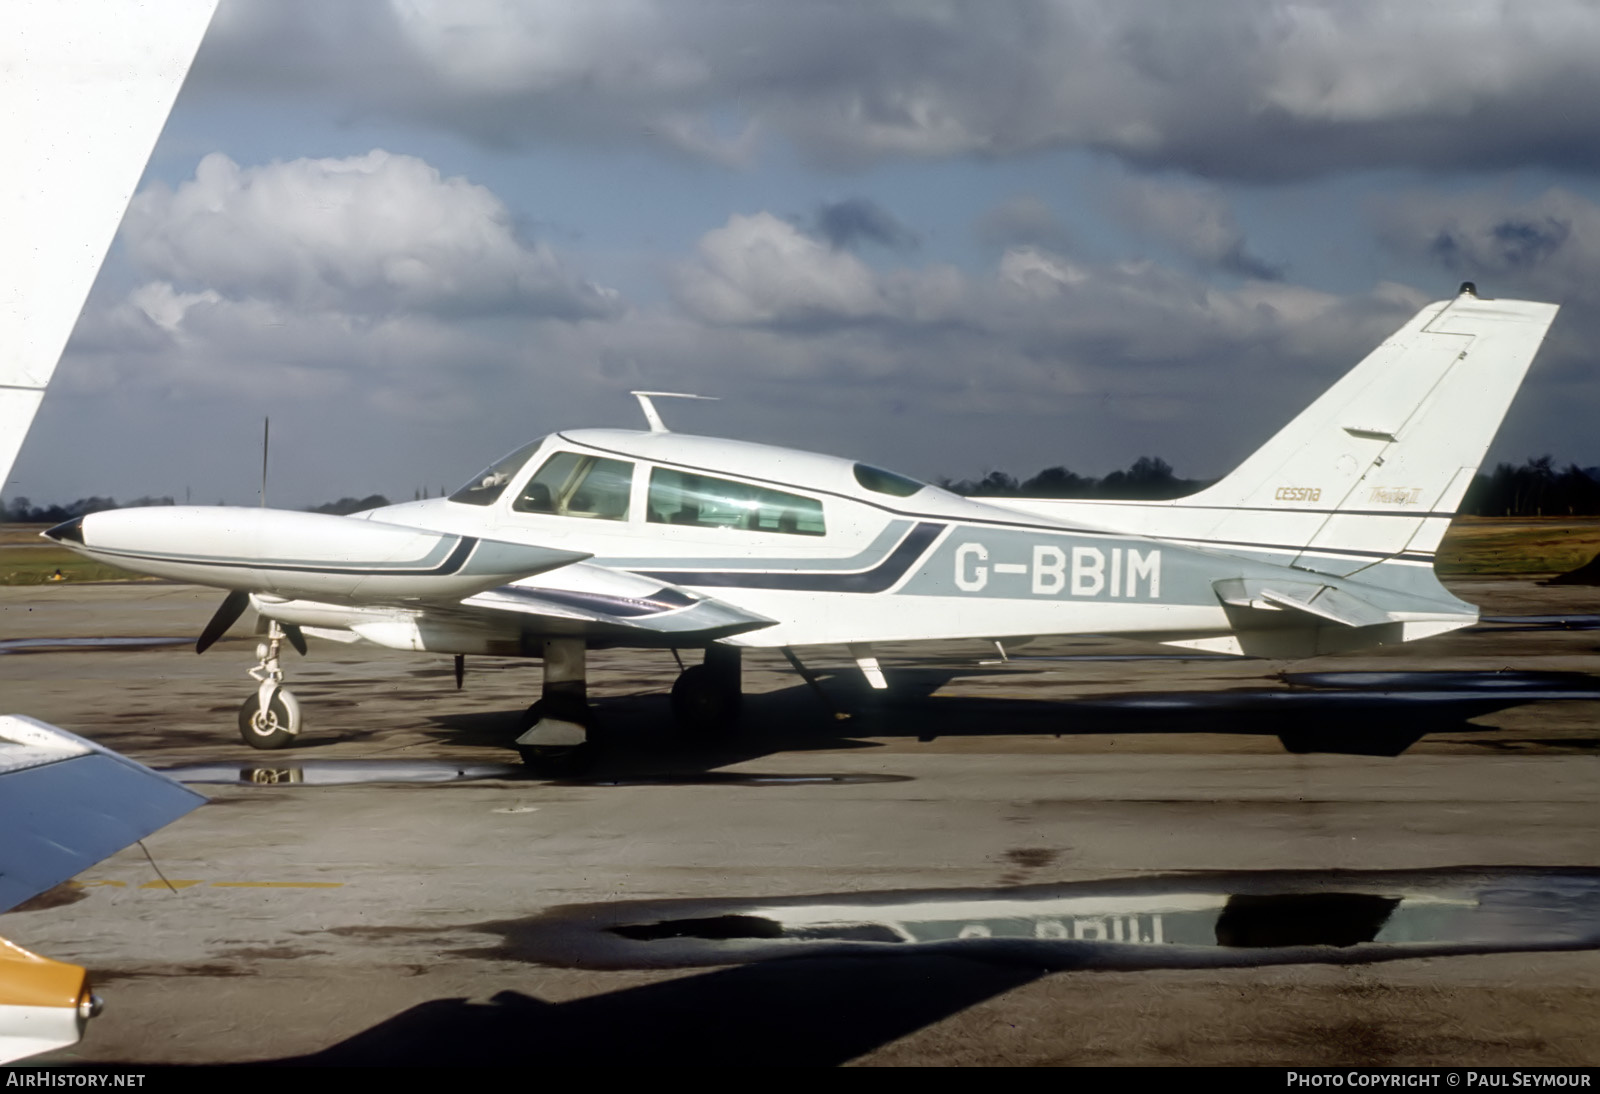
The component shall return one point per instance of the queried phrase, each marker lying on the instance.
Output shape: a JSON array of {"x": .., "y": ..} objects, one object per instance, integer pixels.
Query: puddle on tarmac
[
  {"x": 1189, "y": 920},
  {"x": 345, "y": 772},
  {"x": 1566, "y": 684},
  {"x": 348, "y": 772},
  {"x": 1539, "y": 623},
  {"x": 1331, "y": 691},
  {"x": 1023, "y": 659},
  {"x": 54, "y": 645},
  {"x": 737, "y": 778}
]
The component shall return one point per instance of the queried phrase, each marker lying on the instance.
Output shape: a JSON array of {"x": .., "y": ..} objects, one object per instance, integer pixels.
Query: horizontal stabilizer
[{"x": 1327, "y": 603}]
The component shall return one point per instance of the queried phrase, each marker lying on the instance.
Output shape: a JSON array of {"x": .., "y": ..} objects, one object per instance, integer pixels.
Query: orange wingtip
[{"x": 28, "y": 980}]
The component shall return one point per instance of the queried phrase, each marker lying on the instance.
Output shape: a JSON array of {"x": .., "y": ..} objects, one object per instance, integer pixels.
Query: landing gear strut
[
  {"x": 557, "y": 727},
  {"x": 707, "y": 698},
  {"x": 270, "y": 719}
]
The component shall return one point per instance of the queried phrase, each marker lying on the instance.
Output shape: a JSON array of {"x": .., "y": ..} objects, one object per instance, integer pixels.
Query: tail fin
[{"x": 1379, "y": 464}]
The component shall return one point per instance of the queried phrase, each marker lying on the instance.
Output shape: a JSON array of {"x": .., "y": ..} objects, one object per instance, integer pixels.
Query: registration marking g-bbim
[{"x": 1075, "y": 571}]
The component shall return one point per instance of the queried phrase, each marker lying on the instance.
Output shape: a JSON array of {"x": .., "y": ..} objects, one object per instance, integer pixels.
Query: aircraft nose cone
[{"x": 68, "y": 530}]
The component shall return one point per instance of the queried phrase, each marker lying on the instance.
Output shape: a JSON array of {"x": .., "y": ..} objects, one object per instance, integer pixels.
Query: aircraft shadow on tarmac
[
  {"x": 809, "y": 1011},
  {"x": 1361, "y": 713}
]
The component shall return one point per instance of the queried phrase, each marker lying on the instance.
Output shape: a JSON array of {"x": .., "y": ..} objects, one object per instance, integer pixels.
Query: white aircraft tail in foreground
[
  {"x": 1323, "y": 540},
  {"x": 87, "y": 87}
]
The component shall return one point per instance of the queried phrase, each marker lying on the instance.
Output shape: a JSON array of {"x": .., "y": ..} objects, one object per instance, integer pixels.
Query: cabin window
[
  {"x": 880, "y": 481},
  {"x": 487, "y": 485},
  {"x": 571, "y": 484},
  {"x": 682, "y": 497}
]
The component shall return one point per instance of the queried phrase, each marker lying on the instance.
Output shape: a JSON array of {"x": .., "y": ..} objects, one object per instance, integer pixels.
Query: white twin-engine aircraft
[{"x": 1321, "y": 541}]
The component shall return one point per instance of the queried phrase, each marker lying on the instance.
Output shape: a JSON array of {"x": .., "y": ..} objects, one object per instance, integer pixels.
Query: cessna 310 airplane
[{"x": 1321, "y": 541}]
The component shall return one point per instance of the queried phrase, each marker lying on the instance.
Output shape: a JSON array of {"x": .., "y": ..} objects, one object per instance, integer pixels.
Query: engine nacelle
[{"x": 294, "y": 554}]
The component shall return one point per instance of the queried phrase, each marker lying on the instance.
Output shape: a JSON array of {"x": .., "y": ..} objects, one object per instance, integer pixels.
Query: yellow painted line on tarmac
[{"x": 189, "y": 884}]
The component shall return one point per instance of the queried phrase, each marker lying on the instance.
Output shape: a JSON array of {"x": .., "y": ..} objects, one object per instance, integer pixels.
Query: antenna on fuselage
[
  {"x": 652, "y": 415},
  {"x": 266, "y": 434}
]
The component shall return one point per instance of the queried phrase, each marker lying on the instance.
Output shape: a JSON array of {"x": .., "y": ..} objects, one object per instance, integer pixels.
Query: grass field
[
  {"x": 1474, "y": 545},
  {"x": 1518, "y": 545}
]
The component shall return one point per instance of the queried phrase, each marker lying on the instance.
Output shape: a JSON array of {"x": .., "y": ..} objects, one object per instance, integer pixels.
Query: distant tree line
[
  {"x": 1149, "y": 479},
  {"x": 23, "y": 511},
  {"x": 346, "y": 506},
  {"x": 1534, "y": 489}
]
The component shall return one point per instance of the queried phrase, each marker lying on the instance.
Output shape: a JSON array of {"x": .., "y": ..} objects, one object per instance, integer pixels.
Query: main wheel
[
  {"x": 273, "y": 728},
  {"x": 558, "y": 761},
  {"x": 703, "y": 704}
]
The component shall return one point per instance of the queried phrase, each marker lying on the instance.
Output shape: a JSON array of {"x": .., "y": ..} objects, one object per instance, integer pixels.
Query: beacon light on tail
[{"x": 294, "y": 554}]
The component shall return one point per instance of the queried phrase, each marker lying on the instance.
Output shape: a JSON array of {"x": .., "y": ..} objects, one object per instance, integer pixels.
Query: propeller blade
[
  {"x": 296, "y": 636},
  {"x": 461, "y": 670},
  {"x": 228, "y": 613}
]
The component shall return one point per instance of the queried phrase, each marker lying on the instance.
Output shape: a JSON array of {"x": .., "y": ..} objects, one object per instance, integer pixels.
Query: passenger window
[
  {"x": 680, "y": 497},
  {"x": 573, "y": 485}
]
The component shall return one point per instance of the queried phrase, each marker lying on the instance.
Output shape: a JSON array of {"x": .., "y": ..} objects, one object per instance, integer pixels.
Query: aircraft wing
[
  {"x": 598, "y": 602},
  {"x": 66, "y": 803},
  {"x": 605, "y": 607}
]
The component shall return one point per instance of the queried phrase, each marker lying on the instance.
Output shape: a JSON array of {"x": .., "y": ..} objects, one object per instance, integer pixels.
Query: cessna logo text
[
  {"x": 1299, "y": 493},
  {"x": 1067, "y": 571}
]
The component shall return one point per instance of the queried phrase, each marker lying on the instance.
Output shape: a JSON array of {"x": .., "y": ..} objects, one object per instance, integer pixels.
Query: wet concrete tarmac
[{"x": 397, "y": 890}]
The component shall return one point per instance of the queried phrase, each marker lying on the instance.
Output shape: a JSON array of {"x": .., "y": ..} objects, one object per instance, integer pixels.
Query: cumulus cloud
[
  {"x": 862, "y": 220},
  {"x": 1194, "y": 221},
  {"x": 761, "y": 270},
  {"x": 1259, "y": 89},
  {"x": 1023, "y": 220},
  {"x": 1546, "y": 247},
  {"x": 1549, "y": 243},
  {"x": 371, "y": 234}
]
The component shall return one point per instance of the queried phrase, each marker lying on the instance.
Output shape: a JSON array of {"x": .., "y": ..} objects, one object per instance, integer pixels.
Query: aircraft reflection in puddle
[
  {"x": 1539, "y": 623},
  {"x": 1170, "y": 922},
  {"x": 351, "y": 772},
  {"x": 345, "y": 772}
]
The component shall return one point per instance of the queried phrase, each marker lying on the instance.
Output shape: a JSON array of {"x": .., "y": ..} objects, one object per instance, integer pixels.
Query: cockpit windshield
[
  {"x": 880, "y": 481},
  {"x": 487, "y": 485}
]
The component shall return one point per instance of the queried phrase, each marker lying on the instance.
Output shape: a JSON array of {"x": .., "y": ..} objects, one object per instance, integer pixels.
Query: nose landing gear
[{"x": 270, "y": 719}]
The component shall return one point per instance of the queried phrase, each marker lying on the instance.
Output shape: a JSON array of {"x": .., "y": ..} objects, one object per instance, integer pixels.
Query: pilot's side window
[
  {"x": 682, "y": 497},
  {"x": 571, "y": 484}
]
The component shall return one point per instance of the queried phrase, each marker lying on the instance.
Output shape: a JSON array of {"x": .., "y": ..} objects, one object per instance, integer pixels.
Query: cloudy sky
[{"x": 945, "y": 237}]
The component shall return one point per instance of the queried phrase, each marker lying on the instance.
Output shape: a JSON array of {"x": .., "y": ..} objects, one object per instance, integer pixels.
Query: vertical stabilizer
[
  {"x": 87, "y": 87},
  {"x": 1379, "y": 464}
]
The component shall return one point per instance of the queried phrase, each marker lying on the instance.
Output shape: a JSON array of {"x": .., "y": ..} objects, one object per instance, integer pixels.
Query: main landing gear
[
  {"x": 558, "y": 729},
  {"x": 270, "y": 719},
  {"x": 707, "y": 698}
]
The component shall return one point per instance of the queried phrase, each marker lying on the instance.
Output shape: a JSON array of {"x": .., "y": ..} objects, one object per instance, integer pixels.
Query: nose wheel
[
  {"x": 270, "y": 719},
  {"x": 272, "y": 726}
]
